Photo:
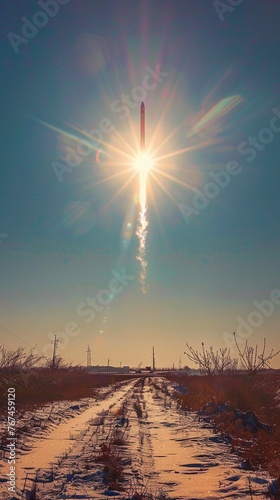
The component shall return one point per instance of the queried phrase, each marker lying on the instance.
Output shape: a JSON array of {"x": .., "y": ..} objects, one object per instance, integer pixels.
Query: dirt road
[{"x": 134, "y": 444}]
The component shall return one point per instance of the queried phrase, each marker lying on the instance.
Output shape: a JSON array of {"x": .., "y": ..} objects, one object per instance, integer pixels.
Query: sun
[{"x": 143, "y": 163}]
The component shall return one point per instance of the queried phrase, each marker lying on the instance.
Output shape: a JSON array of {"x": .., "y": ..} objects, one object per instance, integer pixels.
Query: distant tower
[
  {"x": 88, "y": 357},
  {"x": 180, "y": 363},
  {"x": 55, "y": 343},
  {"x": 154, "y": 361}
]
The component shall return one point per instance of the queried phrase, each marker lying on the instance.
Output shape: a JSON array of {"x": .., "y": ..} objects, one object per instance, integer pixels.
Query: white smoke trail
[{"x": 141, "y": 231}]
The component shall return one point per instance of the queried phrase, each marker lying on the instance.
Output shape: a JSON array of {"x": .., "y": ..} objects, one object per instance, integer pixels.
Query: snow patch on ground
[{"x": 131, "y": 443}]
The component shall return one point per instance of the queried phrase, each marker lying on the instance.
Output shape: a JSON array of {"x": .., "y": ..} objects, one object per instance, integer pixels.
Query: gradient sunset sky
[{"x": 68, "y": 221}]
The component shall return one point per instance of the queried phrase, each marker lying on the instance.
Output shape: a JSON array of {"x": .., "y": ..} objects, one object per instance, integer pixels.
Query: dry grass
[
  {"x": 45, "y": 385},
  {"x": 258, "y": 394},
  {"x": 110, "y": 458}
]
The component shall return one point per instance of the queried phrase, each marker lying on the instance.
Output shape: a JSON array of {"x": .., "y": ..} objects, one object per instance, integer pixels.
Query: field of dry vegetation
[
  {"x": 175, "y": 427},
  {"x": 245, "y": 409},
  {"x": 38, "y": 386}
]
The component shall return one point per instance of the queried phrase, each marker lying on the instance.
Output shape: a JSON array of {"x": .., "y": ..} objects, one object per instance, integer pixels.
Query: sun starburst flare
[{"x": 153, "y": 165}]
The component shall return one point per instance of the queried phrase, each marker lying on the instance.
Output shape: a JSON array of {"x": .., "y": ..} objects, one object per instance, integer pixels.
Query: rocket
[{"x": 142, "y": 127}]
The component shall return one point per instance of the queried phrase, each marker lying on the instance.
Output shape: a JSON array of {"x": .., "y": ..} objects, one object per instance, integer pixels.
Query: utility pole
[
  {"x": 55, "y": 343},
  {"x": 154, "y": 361},
  {"x": 108, "y": 365},
  {"x": 88, "y": 357}
]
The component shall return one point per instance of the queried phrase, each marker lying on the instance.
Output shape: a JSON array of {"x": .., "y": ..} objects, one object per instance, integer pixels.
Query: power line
[
  {"x": 10, "y": 321},
  {"x": 25, "y": 312},
  {"x": 19, "y": 338}
]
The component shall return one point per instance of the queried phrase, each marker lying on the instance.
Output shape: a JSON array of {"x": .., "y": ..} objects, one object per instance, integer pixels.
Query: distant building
[{"x": 108, "y": 369}]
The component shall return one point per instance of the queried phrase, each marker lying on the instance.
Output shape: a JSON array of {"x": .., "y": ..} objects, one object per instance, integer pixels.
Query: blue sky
[{"x": 65, "y": 235}]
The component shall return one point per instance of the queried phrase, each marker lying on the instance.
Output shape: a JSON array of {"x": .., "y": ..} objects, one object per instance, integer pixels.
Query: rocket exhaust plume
[{"x": 142, "y": 220}]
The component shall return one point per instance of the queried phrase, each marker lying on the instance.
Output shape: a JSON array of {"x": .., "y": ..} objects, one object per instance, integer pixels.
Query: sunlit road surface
[
  {"x": 165, "y": 452},
  {"x": 58, "y": 441}
]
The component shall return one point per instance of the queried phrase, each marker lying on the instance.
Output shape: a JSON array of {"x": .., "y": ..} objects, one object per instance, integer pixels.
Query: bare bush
[
  {"x": 57, "y": 363},
  {"x": 18, "y": 359},
  {"x": 210, "y": 362},
  {"x": 250, "y": 360}
]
